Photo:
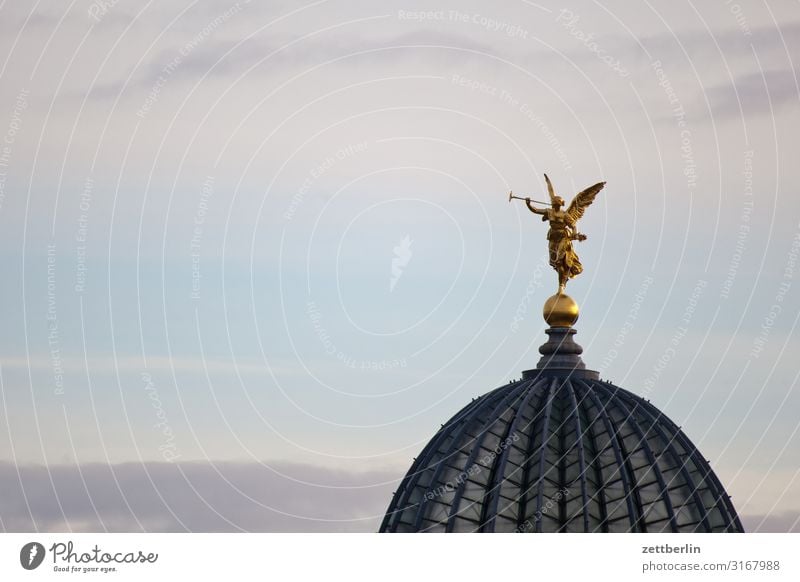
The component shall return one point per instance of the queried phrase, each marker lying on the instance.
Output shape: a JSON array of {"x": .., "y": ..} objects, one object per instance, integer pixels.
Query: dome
[{"x": 560, "y": 451}]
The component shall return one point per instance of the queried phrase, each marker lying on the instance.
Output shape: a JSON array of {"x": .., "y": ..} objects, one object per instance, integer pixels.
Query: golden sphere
[{"x": 560, "y": 310}]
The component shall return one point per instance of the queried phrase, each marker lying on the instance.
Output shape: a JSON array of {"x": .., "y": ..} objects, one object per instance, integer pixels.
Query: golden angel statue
[{"x": 564, "y": 229}]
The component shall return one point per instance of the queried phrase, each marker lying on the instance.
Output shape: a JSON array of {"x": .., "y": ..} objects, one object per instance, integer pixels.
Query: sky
[{"x": 255, "y": 254}]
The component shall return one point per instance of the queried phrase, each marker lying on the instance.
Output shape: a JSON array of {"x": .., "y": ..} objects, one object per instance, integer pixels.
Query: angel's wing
[
  {"x": 550, "y": 190},
  {"x": 582, "y": 201}
]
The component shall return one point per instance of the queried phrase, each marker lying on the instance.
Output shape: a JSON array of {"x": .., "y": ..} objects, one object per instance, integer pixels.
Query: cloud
[
  {"x": 732, "y": 42},
  {"x": 192, "y": 496},
  {"x": 228, "y": 58},
  {"x": 761, "y": 92}
]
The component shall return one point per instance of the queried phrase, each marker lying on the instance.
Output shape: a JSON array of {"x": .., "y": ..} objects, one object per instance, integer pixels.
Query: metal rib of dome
[{"x": 560, "y": 451}]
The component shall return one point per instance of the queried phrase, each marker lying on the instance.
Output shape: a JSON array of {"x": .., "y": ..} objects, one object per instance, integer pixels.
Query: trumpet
[{"x": 512, "y": 197}]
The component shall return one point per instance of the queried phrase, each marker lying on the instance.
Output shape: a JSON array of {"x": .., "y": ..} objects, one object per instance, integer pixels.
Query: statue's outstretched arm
[{"x": 533, "y": 208}]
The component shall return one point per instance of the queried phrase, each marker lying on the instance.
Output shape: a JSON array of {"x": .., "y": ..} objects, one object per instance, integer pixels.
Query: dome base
[{"x": 561, "y": 356}]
